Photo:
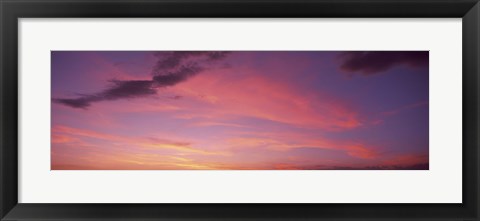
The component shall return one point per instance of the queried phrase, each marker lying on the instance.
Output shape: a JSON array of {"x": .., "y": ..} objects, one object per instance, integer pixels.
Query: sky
[{"x": 239, "y": 110}]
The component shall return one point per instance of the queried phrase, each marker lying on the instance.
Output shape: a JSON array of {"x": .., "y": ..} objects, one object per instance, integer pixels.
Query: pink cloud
[
  {"x": 220, "y": 95},
  {"x": 404, "y": 108}
]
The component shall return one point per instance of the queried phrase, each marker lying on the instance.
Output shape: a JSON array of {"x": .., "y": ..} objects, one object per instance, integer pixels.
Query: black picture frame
[{"x": 11, "y": 10}]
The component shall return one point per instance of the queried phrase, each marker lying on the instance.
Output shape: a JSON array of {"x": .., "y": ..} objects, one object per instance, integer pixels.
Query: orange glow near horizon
[{"x": 238, "y": 111}]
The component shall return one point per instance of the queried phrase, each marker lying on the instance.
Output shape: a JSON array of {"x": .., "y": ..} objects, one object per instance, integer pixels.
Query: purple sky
[{"x": 239, "y": 110}]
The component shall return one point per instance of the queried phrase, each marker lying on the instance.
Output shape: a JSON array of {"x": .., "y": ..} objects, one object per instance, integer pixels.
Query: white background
[{"x": 441, "y": 184}]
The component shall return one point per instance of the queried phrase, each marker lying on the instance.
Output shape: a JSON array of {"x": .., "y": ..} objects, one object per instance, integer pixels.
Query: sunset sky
[{"x": 241, "y": 110}]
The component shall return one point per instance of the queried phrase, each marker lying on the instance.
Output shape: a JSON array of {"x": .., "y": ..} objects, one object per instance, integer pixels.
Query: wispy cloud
[
  {"x": 290, "y": 141},
  {"x": 224, "y": 96},
  {"x": 170, "y": 69},
  {"x": 405, "y": 107},
  {"x": 65, "y": 134}
]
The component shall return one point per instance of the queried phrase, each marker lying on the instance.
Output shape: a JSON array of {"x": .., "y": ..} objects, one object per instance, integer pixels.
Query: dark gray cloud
[
  {"x": 175, "y": 59},
  {"x": 170, "y": 69},
  {"x": 175, "y": 77},
  {"x": 375, "y": 62}
]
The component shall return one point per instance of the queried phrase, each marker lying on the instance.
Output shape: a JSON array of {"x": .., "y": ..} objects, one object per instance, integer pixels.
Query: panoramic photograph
[{"x": 239, "y": 110}]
